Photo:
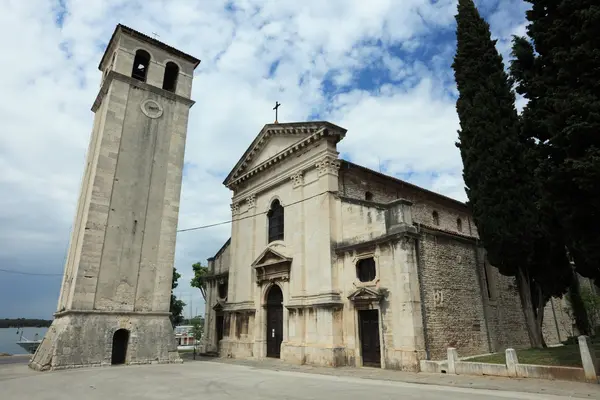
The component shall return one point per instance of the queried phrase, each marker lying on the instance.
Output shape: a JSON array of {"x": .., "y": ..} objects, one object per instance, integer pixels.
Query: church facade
[{"x": 330, "y": 263}]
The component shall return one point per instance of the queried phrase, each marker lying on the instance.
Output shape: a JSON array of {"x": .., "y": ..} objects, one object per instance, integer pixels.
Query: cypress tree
[
  {"x": 500, "y": 184},
  {"x": 558, "y": 71}
]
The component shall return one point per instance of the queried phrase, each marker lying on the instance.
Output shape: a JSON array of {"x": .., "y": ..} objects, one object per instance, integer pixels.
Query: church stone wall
[
  {"x": 304, "y": 187},
  {"x": 401, "y": 329},
  {"x": 218, "y": 268},
  {"x": 469, "y": 305},
  {"x": 220, "y": 263},
  {"x": 500, "y": 318},
  {"x": 557, "y": 325},
  {"x": 355, "y": 181},
  {"x": 504, "y": 313},
  {"x": 452, "y": 300},
  {"x": 361, "y": 222}
]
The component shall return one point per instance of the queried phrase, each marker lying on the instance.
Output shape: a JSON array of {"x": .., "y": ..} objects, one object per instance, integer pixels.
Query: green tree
[
  {"x": 557, "y": 69},
  {"x": 199, "y": 279},
  {"x": 514, "y": 225},
  {"x": 198, "y": 327},
  {"x": 177, "y": 305}
]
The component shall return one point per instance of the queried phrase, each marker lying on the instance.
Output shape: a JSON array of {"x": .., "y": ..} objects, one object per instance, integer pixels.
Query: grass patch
[{"x": 566, "y": 356}]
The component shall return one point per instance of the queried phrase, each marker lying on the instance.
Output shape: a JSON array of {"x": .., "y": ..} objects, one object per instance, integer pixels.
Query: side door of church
[{"x": 369, "y": 337}]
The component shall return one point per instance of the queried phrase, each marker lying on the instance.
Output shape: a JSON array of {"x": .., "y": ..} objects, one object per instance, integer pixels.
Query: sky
[{"x": 379, "y": 68}]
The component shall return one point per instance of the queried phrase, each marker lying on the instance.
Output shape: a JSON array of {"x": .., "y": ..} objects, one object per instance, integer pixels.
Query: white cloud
[{"x": 49, "y": 79}]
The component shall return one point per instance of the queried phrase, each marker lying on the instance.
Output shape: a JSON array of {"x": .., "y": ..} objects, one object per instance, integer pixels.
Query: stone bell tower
[{"x": 116, "y": 289}]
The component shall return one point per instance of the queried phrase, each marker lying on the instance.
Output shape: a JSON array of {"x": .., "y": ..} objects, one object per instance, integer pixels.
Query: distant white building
[{"x": 184, "y": 335}]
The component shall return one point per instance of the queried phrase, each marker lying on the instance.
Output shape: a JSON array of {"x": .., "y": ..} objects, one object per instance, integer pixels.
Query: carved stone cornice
[
  {"x": 328, "y": 165},
  {"x": 219, "y": 278},
  {"x": 114, "y": 75},
  {"x": 251, "y": 200},
  {"x": 315, "y": 131},
  {"x": 297, "y": 179},
  {"x": 323, "y": 300},
  {"x": 245, "y": 306},
  {"x": 367, "y": 295},
  {"x": 235, "y": 208},
  {"x": 272, "y": 266}
]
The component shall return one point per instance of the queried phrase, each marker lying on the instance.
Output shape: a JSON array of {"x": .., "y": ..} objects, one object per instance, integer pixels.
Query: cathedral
[{"x": 333, "y": 264}]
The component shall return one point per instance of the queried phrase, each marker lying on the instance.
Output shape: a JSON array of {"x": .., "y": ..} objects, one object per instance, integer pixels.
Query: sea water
[{"x": 9, "y": 338}]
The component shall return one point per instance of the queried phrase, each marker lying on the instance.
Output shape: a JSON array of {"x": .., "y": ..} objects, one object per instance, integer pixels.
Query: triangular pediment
[
  {"x": 218, "y": 306},
  {"x": 273, "y": 146},
  {"x": 365, "y": 294},
  {"x": 270, "y": 257},
  {"x": 277, "y": 141}
]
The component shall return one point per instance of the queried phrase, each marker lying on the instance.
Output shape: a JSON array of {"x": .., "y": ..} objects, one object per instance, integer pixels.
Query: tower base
[{"x": 98, "y": 338}]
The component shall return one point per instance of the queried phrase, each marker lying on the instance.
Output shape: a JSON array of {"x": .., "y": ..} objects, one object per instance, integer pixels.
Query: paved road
[{"x": 216, "y": 381}]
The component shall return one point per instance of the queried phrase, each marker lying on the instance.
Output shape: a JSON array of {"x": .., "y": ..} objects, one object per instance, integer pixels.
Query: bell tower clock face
[{"x": 151, "y": 109}]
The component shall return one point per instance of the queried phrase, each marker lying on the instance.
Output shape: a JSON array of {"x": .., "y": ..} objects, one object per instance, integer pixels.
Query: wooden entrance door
[
  {"x": 274, "y": 321},
  {"x": 369, "y": 337}
]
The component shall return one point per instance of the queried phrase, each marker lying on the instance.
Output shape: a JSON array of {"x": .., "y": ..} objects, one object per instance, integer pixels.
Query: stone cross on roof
[{"x": 277, "y": 104}]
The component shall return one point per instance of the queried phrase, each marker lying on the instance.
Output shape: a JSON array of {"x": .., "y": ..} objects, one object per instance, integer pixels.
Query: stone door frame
[
  {"x": 367, "y": 298},
  {"x": 260, "y": 335},
  {"x": 358, "y": 342}
]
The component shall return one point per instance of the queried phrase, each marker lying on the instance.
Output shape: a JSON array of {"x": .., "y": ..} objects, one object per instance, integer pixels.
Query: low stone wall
[
  {"x": 434, "y": 367},
  {"x": 512, "y": 368},
  {"x": 551, "y": 372},
  {"x": 476, "y": 368}
]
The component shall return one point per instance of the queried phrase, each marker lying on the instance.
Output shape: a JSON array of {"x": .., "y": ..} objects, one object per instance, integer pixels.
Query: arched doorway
[
  {"x": 274, "y": 321},
  {"x": 119, "y": 346}
]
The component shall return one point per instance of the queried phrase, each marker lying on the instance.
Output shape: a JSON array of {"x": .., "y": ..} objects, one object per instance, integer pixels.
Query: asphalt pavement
[{"x": 216, "y": 381}]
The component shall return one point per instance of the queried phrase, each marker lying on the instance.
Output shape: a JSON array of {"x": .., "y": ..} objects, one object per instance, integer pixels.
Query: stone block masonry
[
  {"x": 85, "y": 340},
  {"x": 115, "y": 296}
]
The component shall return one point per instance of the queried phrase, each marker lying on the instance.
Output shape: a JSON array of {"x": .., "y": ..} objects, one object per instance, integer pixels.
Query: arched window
[
  {"x": 459, "y": 224},
  {"x": 365, "y": 269},
  {"x": 170, "y": 78},
  {"x": 275, "y": 216},
  {"x": 140, "y": 65},
  {"x": 436, "y": 218},
  {"x": 368, "y": 196}
]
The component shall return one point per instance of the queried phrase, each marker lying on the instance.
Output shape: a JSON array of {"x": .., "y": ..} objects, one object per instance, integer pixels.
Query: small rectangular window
[{"x": 365, "y": 269}]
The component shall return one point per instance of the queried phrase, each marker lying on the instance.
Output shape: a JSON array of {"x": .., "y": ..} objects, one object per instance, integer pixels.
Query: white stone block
[
  {"x": 588, "y": 359},
  {"x": 511, "y": 362},
  {"x": 452, "y": 360}
]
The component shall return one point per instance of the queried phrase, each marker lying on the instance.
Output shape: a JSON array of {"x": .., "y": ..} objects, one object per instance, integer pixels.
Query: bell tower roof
[{"x": 145, "y": 38}]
